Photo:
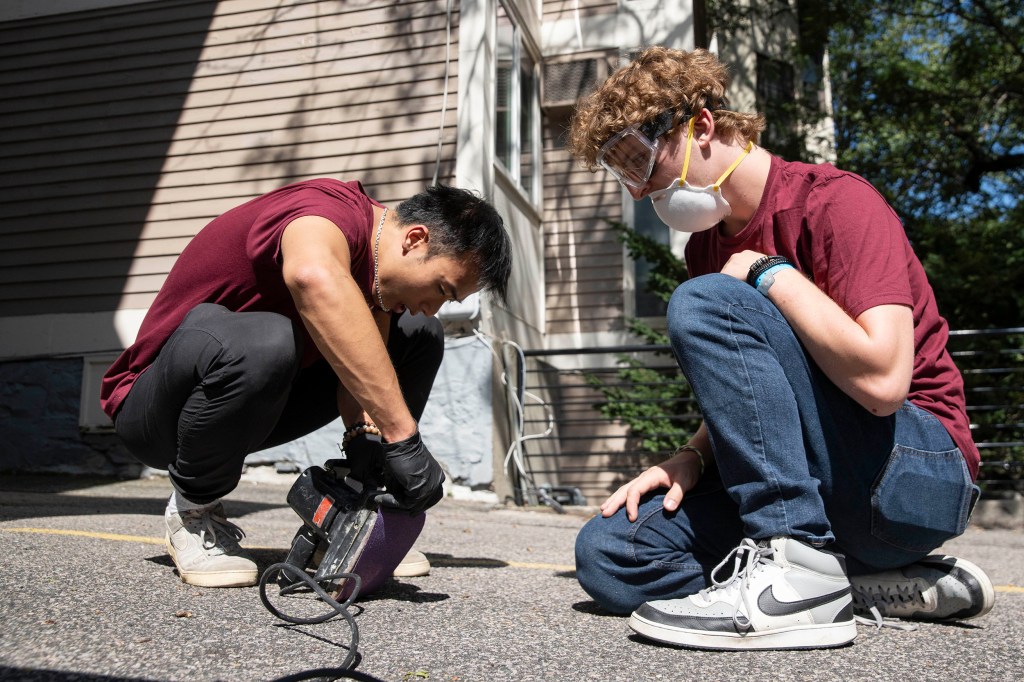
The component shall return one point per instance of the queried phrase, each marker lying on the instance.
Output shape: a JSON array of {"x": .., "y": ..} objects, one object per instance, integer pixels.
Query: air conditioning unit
[{"x": 569, "y": 77}]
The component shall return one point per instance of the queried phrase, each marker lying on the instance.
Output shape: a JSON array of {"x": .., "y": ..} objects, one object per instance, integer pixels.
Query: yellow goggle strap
[
  {"x": 730, "y": 169},
  {"x": 689, "y": 148}
]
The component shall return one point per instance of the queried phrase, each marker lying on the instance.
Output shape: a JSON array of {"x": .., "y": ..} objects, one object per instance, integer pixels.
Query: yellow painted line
[
  {"x": 485, "y": 563},
  {"x": 89, "y": 534}
]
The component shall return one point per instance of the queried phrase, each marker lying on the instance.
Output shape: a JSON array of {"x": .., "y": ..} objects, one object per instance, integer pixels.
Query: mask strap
[
  {"x": 730, "y": 169},
  {"x": 689, "y": 147}
]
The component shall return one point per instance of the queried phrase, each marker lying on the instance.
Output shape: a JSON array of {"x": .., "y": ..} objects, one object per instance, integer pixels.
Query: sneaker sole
[
  {"x": 795, "y": 637},
  {"x": 970, "y": 573},
  {"x": 246, "y": 578},
  {"x": 413, "y": 568}
]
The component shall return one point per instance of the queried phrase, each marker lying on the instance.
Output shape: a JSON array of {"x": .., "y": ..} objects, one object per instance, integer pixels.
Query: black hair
[{"x": 463, "y": 225}]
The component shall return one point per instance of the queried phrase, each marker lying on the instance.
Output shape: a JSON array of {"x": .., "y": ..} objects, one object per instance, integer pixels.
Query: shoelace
[
  {"x": 871, "y": 597},
  {"x": 875, "y": 595},
  {"x": 215, "y": 527},
  {"x": 747, "y": 558}
]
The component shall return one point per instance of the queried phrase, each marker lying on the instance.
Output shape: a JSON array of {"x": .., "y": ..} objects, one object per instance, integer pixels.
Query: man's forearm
[
  {"x": 870, "y": 359},
  {"x": 349, "y": 338},
  {"x": 349, "y": 409}
]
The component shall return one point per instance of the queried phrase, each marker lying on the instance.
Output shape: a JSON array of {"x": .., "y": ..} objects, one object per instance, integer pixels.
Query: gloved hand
[
  {"x": 412, "y": 476},
  {"x": 365, "y": 456}
]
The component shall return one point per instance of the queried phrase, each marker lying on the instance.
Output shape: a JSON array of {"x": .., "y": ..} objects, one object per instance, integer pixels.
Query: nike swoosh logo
[{"x": 768, "y": 603}]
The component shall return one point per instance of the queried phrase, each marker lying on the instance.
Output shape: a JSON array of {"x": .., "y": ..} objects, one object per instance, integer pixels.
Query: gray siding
[
  {"x": 583, "y": 259},
  {"x": 124, "y": 130}
]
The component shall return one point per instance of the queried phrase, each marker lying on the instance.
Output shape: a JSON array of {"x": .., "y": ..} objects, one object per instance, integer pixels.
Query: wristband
[
  {"x": 767, "y": 278},
  {"x": 700, "y": 455},
  {"x": 761, "y": 265},
  {"x": 358, "y": 429}
]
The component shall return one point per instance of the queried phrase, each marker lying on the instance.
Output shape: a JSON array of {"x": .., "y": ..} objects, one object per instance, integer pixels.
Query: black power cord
[{"x": 344, "y": 671}]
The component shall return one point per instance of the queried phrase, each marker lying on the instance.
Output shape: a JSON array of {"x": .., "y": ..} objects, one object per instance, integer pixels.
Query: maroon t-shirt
[
  {"x": 841, "y": 233},
  {"x": 236, "y": 261}
]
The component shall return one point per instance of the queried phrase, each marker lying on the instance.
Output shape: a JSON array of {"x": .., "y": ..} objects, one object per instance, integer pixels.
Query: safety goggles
[{"x": 630, "y": 155}]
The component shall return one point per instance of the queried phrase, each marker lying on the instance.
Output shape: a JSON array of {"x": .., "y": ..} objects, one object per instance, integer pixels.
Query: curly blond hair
[{"x": 658, "y": 78}]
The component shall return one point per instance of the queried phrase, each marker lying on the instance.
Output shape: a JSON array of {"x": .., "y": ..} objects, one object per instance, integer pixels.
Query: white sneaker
[
  {"x": 414, "y": 565},
  {"x": 782, "y": 594},
  {"x": 204, "y": 547},
  {"x": 937, "y": 587}
]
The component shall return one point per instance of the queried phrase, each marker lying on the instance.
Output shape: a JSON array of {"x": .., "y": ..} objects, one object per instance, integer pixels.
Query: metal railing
[{"x": 586, "y": 454}]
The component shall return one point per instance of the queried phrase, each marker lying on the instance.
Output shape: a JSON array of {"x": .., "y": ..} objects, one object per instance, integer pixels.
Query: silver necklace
[{"x": 376, "y": 251}]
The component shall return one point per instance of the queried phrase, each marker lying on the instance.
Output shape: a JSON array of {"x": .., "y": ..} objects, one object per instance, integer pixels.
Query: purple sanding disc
[{"x": 390, "y": 540}]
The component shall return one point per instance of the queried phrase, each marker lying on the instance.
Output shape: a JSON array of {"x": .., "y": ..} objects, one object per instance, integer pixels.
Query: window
[
  {"x": 776, "y": 90},
  {"x": 516, "y": 135}
]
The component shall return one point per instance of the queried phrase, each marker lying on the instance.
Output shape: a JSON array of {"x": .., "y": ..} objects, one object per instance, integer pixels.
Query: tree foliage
[
  {"x": 929, "y": 102},
  {"x": 928, "y": 106}
]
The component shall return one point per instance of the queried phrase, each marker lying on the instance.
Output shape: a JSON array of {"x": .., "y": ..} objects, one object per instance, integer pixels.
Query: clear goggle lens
[{"x": 629, "y": 156}]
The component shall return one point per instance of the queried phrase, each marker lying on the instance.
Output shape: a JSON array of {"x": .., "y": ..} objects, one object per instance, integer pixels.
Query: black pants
[{"x": 228, "y": 384}]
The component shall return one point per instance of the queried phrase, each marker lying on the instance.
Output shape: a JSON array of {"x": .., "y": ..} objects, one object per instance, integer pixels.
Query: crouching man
[{"x": 309, "y": 302}]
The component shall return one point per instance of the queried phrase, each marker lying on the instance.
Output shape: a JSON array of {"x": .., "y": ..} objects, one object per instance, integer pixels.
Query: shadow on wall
[
  {"x": 368, "y": 103},
  {"x": 90, "y": 107}
]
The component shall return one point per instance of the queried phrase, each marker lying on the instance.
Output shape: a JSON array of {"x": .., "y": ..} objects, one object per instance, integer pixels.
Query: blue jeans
[{"x": 793, "y": 456}]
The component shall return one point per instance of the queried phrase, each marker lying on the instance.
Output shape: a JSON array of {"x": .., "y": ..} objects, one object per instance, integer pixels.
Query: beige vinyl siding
[
  {"x": 583, "y": 259},
  {"x": 566, "y": 9},
  {"x": 124, "y": 130}
]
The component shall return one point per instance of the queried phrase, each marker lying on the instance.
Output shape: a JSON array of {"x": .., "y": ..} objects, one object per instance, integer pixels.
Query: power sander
[
  {"x": 348, "y": 545},
  {"x": 345, "y": 531}
]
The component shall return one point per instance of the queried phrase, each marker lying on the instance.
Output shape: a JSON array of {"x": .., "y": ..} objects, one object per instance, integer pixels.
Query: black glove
[
  {"x": 412, "y": 476},
  {"x": 365, "y": 456}
]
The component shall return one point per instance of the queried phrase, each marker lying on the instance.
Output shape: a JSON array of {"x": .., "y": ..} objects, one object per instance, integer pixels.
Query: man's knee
[
  {"x": 262, "y": 350},
  {"x": 699, "y": 294},
  {"x": 273, "y": 355},
  {"x": 424, "y": 334},
  {"x": 701, "y": 309},
  {"x": 596, "y": 568}
]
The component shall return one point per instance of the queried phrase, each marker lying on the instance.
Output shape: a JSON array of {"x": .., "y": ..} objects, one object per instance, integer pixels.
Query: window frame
[{"x": 530, "y": 190}]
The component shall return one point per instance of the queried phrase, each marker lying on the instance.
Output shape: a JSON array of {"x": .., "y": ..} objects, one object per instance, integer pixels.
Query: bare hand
[
  {"x": 739, "y": 264},
  {"x": 679, "y": 474}
]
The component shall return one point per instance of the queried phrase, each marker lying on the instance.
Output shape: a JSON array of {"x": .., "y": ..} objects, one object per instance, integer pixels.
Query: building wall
[
  {"x": 126, "y": 129},
  {"x": 583, "y": 259},
  {"x": 126, "y": 126}
]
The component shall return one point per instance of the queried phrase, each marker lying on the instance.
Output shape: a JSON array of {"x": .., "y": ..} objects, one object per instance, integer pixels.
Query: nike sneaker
[
  {"x": 781, "y": 594},
  {"x": 937, "y": 587}
]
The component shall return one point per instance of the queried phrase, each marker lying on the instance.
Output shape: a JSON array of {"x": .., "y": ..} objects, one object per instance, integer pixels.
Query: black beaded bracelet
[{"x": 761, "y": 265}]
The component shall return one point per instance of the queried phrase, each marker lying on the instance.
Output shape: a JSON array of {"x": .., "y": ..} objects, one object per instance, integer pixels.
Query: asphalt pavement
[{"x": 88, "y": 593}]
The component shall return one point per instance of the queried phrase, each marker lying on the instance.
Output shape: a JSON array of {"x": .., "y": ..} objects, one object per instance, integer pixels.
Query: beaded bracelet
[
  {"x": 761, "y": 265},
  {"x": 358, "y": 429},
  {"x": 700, "y": 455}
]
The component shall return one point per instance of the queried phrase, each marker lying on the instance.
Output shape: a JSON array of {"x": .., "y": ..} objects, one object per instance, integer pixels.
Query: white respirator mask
[{"x": 686, "y": 208}]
